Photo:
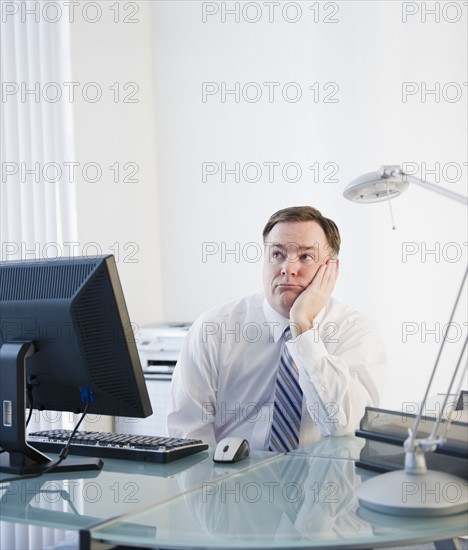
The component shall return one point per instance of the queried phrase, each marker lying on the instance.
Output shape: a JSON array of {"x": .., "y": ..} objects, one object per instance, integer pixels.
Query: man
[{"x": 240, "y": 374}]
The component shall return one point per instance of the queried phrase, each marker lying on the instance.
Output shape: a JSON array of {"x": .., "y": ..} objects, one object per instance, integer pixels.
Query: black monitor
[{"x": 67, "y": 343}]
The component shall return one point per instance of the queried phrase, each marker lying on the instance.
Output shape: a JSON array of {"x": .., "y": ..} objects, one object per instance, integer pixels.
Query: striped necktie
[{"x": 288, "y": 403}]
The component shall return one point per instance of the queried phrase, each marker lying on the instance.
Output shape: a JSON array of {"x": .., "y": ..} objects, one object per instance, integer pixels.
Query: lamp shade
[{"x": 375, "y": 187}]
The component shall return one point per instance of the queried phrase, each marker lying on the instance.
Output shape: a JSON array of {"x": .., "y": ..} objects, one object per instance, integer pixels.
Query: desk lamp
[{"x": 415, "y": 490}]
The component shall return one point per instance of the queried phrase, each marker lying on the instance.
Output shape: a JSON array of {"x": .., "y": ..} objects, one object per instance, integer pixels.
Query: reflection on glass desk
[
  {"x": 345, "y": 447},
  {"x": 78, "y": 500},
  {"x": 304, "y": 499},
  {"x": 290, "y": 501}
]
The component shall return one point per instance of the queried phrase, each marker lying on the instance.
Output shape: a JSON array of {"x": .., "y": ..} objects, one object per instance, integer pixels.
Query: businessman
[{"x": 285, "y": 367}]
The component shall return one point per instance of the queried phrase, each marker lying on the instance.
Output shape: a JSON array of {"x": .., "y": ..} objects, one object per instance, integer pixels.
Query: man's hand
[{"x": 313, "y": 298}]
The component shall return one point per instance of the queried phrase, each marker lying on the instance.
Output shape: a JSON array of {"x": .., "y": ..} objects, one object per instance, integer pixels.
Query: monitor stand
[{"x": 19, "y": 457}]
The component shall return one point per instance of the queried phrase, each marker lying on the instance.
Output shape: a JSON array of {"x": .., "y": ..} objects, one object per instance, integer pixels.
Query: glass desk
[
  {"x": 304, "y": 499},
  {"x": 79, "y": 500},
  {"x": 289, "y": 501},
  {"x": 346, "y": 447}
]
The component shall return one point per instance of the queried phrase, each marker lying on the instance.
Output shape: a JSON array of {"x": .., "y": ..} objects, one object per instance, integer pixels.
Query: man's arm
[
  {"x": 339, "y": 385},
  {"x": 193, "y": 392}
]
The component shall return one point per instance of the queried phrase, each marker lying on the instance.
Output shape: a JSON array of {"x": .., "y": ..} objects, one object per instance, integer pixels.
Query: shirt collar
[{"x": 277, "y": 323}]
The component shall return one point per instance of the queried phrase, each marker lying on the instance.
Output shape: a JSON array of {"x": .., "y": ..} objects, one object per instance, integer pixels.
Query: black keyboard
[{"x": 121, "y": 446}]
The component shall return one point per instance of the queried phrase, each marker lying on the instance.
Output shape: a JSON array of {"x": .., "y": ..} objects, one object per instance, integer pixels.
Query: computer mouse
[{"x": 231, "y": 449}]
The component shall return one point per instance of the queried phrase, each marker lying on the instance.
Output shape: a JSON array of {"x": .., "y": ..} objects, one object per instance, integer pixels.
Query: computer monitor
[{"x": 66, "y": 342}]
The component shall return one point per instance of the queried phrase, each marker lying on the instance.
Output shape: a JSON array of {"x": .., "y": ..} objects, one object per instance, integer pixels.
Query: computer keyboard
[{"x": 121, "y": 446}]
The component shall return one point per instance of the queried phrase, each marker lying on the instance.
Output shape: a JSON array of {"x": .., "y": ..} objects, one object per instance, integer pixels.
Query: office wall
[
  {"x": 116, "y": 181},
  {"x": 353, "y": 63},
  {"x": 197, "y": 223}
]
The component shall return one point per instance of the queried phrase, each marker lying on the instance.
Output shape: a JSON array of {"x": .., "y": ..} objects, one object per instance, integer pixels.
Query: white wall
[
  {"x": 119, "y": 211},
  {"x": 171, "y": 212},
  {"x": 369, "y": 53}
]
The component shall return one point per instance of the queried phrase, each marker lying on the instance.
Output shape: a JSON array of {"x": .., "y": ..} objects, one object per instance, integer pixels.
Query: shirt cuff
[
  {"x": 308, "y": 345},
  {"x": 308, "y": 352}
]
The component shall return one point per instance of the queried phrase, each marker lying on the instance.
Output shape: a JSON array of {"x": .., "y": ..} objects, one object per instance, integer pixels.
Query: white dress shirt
[{"x": 224, "y": 381}]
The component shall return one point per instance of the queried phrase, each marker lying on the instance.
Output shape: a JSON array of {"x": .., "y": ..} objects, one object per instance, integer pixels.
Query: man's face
[{"x": 294, "y": 251}]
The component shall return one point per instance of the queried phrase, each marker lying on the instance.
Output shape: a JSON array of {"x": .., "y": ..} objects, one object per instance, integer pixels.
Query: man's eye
[{"x": 277, "y": 255}]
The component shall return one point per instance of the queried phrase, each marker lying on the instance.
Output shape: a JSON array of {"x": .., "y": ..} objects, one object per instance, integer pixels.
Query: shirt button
[{"x": 322, "y": 388}]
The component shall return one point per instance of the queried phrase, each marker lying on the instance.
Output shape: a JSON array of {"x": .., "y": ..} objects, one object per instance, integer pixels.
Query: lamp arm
[
  {"x": 410, "y": 443},
  {"x": 433, "y": 187},
  {"x": 415, "y": 449},
  {"x": 447, "y": 394}
]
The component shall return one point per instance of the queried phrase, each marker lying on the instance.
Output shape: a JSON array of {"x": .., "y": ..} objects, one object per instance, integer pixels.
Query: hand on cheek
[{"x": 309, "y": 303}]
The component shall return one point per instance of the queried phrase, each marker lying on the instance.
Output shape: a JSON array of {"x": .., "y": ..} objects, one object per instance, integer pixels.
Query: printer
[{"x": 158, "y": 347}]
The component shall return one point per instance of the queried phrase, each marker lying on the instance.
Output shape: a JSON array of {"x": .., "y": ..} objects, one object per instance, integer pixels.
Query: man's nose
[{"x": 289, "y": 267}]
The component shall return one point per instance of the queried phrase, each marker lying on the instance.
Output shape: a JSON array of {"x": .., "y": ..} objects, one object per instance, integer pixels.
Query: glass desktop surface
[
  {"x": 346, "y": 447},
  {"x": 78, "y": 500},
  {"x": 292, "y": 501}
]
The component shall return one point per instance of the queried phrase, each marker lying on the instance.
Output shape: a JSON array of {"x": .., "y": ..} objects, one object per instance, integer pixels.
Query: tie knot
[{"x": 287, "y": 334}]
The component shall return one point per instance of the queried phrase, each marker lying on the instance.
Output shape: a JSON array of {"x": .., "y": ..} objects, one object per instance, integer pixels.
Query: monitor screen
[{"x": 73, "y": 312}]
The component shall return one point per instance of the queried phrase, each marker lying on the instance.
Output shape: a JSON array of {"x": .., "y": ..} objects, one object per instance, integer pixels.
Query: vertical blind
[{"x": 37, "y": 210}]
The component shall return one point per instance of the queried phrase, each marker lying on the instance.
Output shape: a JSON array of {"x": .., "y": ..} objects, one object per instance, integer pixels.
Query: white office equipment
[{"x": 159, "y": 347}]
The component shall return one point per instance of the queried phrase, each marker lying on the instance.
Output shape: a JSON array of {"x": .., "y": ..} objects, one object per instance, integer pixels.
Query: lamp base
[{"x": 430, "y": 495}]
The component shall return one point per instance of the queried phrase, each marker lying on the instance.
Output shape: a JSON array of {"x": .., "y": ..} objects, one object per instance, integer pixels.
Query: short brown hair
[{"x": 306, "y": 214}]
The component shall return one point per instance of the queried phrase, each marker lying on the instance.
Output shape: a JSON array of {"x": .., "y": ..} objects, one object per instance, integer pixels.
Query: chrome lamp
[
  {"x": 390, "y": 182},
  {"x": 404, "y": 492}
]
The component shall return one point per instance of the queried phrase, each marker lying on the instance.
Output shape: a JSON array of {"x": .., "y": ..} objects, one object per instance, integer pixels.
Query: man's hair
[{"x": 306, "y": 214}]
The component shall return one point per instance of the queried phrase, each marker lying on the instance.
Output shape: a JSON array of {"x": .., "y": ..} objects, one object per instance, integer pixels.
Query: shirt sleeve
[
  {"x": 192, "y": 405},
  {"x": 340, "y": 372}
]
